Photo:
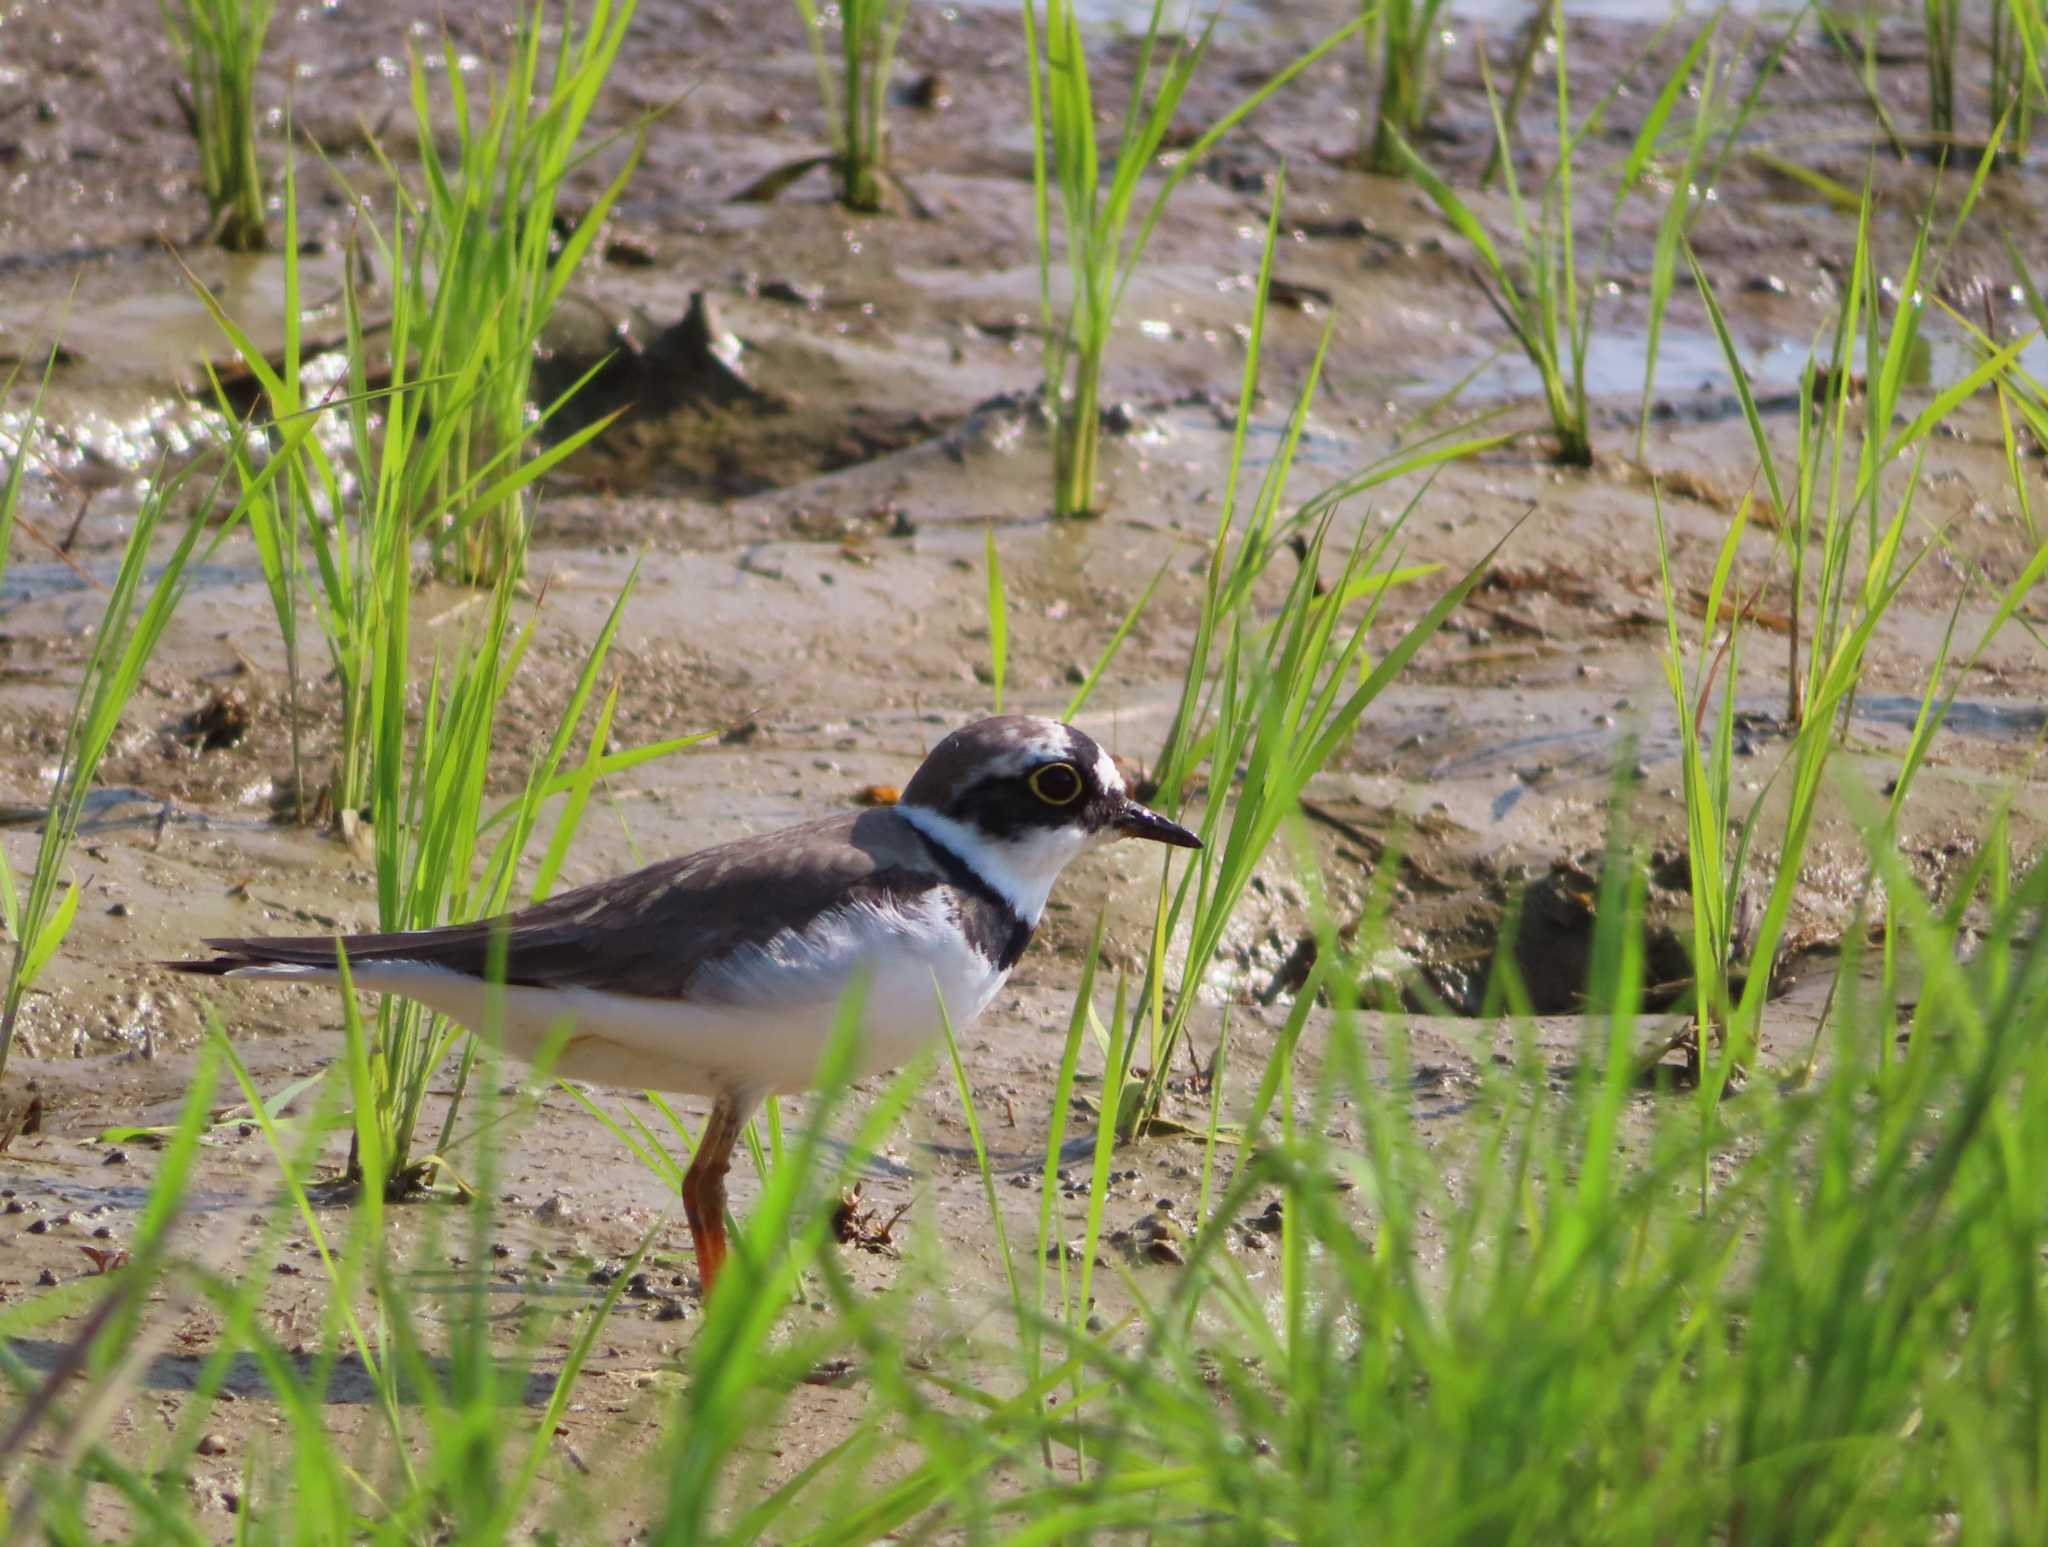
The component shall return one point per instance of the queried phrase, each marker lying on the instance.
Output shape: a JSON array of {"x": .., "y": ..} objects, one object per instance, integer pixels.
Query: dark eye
[{"x": 1057, "y": 784}]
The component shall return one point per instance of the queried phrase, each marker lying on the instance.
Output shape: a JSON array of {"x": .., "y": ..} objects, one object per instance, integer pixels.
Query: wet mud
[{"x": 820, "y": 417}]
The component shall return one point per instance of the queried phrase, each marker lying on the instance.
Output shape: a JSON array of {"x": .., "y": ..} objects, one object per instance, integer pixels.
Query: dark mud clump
[{"x": 702, "y": 412}]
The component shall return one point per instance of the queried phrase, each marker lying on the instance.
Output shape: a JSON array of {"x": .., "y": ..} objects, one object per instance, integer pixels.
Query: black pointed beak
[{"x": 1142, "y": 822}]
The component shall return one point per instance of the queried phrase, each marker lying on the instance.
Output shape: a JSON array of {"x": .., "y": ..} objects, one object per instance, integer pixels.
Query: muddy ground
[{"x": 809, "y": 572}]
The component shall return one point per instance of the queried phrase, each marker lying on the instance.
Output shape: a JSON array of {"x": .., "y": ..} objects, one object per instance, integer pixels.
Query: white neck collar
[{"x": 1019, "y": 870}]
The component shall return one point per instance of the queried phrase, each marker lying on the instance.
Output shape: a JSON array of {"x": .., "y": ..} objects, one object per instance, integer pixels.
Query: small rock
[
  {"x": 629, "y": 252},
  {"x": 1160, "y": 1249},
  {"x": 555, "y": 1209},
  {"x": 220, "y": 722},
  {"x": 928, "y": 93},
  {"x": 1301, "y": 297},
  {"x": 46, "y": 1280},
  {"x": 212, "y": 1445},
  {"x": 793, "y": 292}
]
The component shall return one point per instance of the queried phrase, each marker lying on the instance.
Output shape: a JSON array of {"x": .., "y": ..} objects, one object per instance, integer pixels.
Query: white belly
[{"x": 759, "y": 1021}]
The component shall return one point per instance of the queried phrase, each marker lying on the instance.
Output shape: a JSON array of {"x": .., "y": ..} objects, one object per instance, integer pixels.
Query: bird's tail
[{"x": 257, "y": 953}]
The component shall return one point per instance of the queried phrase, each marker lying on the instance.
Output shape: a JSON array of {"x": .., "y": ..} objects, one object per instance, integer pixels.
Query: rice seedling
[
  {"x": 1706, "y": 145},
  {"x": 1405, "y": 35},
  {"x": 138, "y": 608},
  {"x": 424, "y": 456},
  {"x": 284, "y": 514},
  {"x": 2018, "y": 88},
  {"x": 1241, "y": 551},
  {"x": 444, "y": 1377},
  {"x": 868, "y": 31},
  {"x": 856, "y": 105},
  {"x": 1425, "y": 1326},
  {"x": 2015, "y": 31},
  {"x": 442, "y": 856},
  {"x": 1529, "y": 1321},
  {"x": 1268, "y": 715},
  {"x": 489, "y": 255},
  {"x": 219, "y": 43},
  {"x": 1860, "y": 53},
  {"x": 1545, "y": 294},
  {"x": 1814, "y": 495},
  {"x": 2011, "y": 87},
  {"x": 1943, "y": 19},
  {"x": 1862, "y": 519},
  {"x": 18, "y": 455},
  {"x": 1106, "y": 227}
]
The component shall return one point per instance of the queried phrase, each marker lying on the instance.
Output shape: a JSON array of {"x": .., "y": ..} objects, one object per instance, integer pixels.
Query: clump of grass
[
  {"x": 1540, "y": 1324},
  {"x": 1267, "y": 699},
  {"x": 2015, "y": 34},
  {"x": 1544, "y": 293},
  {"x": 1405, "y": 35},
  {"x": 219, "y": 42},
  {"x": 1861, "y": 527},
  {"x": 1536, "y": 1325},
  {"x": 346, "y": 536},
  {"x": 440, "y": 449},
  {"x": 2018, "y": 85},
  {"x": 443, "y": 856},
  {"x": 443, "y": 1447},
  {"x": 856, "y": 105},
  {"x": 477, "y": 261},
  {"x": 1105, "y": 223},
  {"x": 138, "y": 609}
]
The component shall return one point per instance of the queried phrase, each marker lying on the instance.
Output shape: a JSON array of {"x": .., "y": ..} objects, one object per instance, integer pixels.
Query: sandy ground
[{"x": 809, "y": 568}]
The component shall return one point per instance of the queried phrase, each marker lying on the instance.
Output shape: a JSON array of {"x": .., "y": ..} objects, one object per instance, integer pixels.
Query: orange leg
[{"x": 704, "y": 1186}]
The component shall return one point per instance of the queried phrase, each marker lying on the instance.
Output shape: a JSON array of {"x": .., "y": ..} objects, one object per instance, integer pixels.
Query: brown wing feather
[{"x": 647, "y": 933}]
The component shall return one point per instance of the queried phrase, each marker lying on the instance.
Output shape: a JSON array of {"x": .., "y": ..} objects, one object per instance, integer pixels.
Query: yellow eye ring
[{"x": 1057, "y": 784}]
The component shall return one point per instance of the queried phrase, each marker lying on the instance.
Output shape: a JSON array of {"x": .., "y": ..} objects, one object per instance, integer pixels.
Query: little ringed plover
[{"x": 720, "y": 973}]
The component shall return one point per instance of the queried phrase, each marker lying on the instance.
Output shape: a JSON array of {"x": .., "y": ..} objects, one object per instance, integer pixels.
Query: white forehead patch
[
  {"x": 1045, "y": 745},
  {"x": 1105, "y": 772}
]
